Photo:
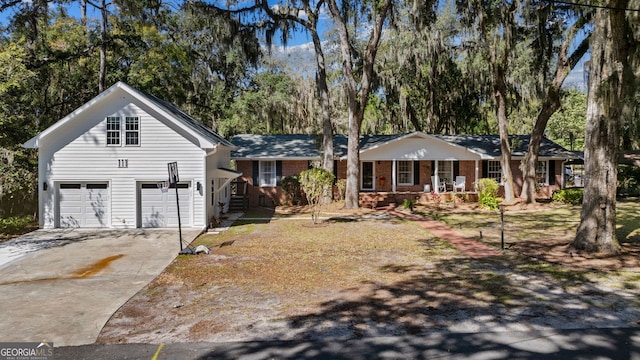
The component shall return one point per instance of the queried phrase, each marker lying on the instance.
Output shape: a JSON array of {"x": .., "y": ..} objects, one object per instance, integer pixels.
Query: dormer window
[{"x": 113, "y": 131}]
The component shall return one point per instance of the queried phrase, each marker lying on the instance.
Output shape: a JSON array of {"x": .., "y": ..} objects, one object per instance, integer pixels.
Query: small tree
[
  {"x": 488, "y": 193},
  {"x": 315, "y": 183}
]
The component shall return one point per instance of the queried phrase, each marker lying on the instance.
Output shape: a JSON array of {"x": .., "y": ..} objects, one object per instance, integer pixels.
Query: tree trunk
[
  {"x": 549, "y": 107},
  {"x": 357, "y": 98},
  {"x": 503, "y": 123},
  {"x": 596, "y": 231},
  {"x": 103, "y": 47},
  {"x": 529, "y": 164},
  {"x": 327, "y": 127}
]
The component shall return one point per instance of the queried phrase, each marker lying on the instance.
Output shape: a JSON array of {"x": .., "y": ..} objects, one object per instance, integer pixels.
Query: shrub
[
  {"x": 315, "y": 183},
  {"x": 17, "y": 225},
  {"x": 293, "y": 190},
  {"x": 568, "y": 196},
  {"x": 409, "y": 204},
  {"x": 488, "y": 193},
  {"x": 628, "y": 180}
]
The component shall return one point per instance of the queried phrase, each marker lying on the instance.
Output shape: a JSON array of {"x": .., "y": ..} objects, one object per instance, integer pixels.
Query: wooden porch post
[
  {"x": 476, "y": 176},
  {"x": 393, "y": 176}
]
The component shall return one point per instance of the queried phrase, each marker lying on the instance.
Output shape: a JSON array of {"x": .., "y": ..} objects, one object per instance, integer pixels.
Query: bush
[
  {"x": 488, "y": 193},
  {"x": 568, "y": 196},
  {"x": 315, "y": 183},
  {"x": 293, "y": 190},
  {"x": 17, "y": 225},
  {"x": 409, "y": 204},
  {"x": 628, "y": 180}
]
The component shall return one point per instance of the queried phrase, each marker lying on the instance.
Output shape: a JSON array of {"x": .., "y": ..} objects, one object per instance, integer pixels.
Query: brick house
[{"x": 394, "y": 165}]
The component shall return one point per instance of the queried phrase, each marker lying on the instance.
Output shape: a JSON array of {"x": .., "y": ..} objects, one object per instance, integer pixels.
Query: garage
[
  {"x": 158, "y": 208},
  {"x": 83, "y": 204}
]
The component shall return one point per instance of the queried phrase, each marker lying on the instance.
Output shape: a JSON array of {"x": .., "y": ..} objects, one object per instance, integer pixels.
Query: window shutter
[
  {"x": 485, "y": 168},
  {"x": 416, "y": 172},
  {"x": 552, "y": 172},
  {"x": 256, "y": 173},
  {"x": 456, "y": 168},
  {"x": 433, "y": 167},
  {"x": 335, "y": 171},
  {"x": 278, "y": 172}
]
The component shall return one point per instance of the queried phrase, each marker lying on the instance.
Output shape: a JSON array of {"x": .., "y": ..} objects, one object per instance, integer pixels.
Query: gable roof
[
  {"x": 251, "y": 146},
  {"x": 208, "y": 138}
]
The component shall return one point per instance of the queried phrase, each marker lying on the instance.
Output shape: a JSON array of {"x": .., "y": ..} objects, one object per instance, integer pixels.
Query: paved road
[
  {"x": 62, "y": 286},
  {"x": 556, "y": 344}
]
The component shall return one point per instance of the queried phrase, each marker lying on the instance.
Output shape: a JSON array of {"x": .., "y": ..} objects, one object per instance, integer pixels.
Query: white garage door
[
  {"x": 159, "y": 209},
  {"x": 84, "y": 204}
]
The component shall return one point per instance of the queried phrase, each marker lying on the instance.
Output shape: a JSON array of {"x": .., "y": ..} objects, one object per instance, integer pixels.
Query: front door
[{"x": 367, "y": 175}]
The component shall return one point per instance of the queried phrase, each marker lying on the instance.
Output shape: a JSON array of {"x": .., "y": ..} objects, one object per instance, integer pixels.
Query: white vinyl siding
[
  {"x": 267, "y": 174},
  {"x": 81, "y": 154},
  {"x": 405, "y": 172}
]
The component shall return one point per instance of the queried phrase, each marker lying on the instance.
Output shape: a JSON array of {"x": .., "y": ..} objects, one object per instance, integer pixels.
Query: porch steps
[{"x": 237, "y": 204}]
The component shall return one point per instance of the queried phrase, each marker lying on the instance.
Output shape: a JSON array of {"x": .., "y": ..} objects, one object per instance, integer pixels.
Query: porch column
[
  {"x": 475, "y": 183},
  {"x": 393, "y": 176},
  {"x": 436, "y": 186}
]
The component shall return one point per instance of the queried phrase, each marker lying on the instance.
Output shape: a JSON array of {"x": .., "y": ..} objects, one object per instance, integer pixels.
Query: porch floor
[{"x": 382, "y": 199}]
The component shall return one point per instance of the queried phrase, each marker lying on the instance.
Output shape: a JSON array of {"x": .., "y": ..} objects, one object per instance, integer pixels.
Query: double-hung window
[
  {"x": 113, "y": 131},
  {"x": 127, "y": 132},
  {"x": 132, "y": 131},
  {"x": 541, "y": 172},
  {"x": 445, "y": 170},
  {"x": 405, "y": 172},
  {"x": 494, "y": 170},
  {"x": 267, "y": 174}
]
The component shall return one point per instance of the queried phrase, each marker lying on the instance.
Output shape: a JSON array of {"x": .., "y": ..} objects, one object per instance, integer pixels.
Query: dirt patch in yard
[{"x": 371, "y": 274}]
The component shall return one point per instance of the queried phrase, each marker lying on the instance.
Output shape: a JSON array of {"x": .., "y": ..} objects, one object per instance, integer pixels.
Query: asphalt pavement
[{"x": 552, "y": 344}]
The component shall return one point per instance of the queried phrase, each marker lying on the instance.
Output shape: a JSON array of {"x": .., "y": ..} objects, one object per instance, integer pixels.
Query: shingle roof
[
  {"x": 186, "y": 119},
  {"x": 489, "y": 145},
  {"x": 308, "y": 146},
  {"x": 252, "y": 146}
]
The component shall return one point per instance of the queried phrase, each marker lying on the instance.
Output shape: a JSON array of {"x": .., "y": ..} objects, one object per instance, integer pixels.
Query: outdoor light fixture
[
  {"x": 199, "y": 186},
  {"x": 45, "y": 186}
]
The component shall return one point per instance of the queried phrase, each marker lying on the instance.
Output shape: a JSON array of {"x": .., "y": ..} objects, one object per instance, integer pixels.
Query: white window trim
[
  {"x": 131, "y": 131},
  {"x": 119, "y": 131},
  {"x": 449, "y": 177},
  {"x": 410, "y": 162},
  {"x": 499, "y": 180},
  {"x": 273, "y": 180},
  {"x": 546, "y": 172}
]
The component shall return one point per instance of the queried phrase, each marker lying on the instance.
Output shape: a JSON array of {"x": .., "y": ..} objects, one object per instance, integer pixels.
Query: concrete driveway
[{"x": 69, "y": 282}]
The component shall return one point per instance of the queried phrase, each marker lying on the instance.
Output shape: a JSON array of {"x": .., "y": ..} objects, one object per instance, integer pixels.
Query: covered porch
[{"x": 376, "y": 199}]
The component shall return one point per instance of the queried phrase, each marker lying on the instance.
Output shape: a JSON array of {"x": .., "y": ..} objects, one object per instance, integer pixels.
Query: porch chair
[
  {"x": 438, "y": 186},
  {"x": 459, "y": 184}
]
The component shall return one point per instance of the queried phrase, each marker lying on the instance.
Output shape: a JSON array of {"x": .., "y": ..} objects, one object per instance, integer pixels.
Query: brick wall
[{"x": 269, "y": 195}]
